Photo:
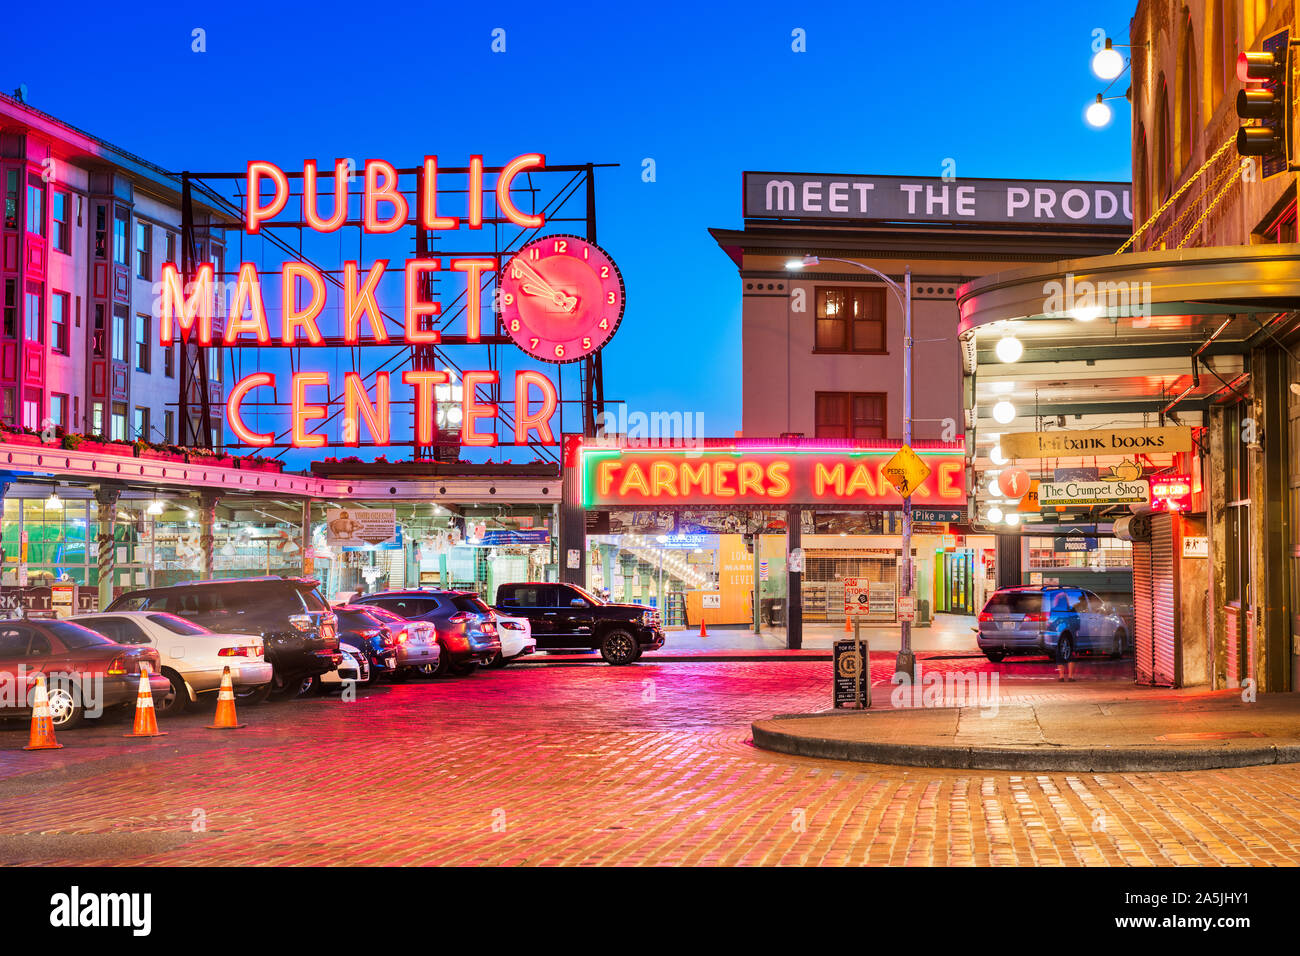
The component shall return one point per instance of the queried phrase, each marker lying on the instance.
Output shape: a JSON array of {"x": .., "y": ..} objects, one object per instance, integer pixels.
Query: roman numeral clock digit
[{"x": 561, "y": 298}]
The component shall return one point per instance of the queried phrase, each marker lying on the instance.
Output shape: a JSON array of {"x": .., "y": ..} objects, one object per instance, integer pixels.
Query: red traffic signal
[{"x": 1264, "y": 99}]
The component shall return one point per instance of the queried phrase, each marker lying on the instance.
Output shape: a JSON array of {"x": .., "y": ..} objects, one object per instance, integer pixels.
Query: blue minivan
[{"x": 1061, "y": 622}]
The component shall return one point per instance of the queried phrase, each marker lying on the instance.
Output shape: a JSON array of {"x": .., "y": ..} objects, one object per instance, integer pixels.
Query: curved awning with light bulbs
[{"x": 1116, "y": 342}]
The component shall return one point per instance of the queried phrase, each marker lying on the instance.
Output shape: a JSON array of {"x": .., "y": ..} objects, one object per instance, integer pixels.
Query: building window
[
  {"x": 97, "y": 418},
  {"x": 120, "y": 221},
  {"x": 59, "y": 322},
  {"x": 143, "y": 250},
  {"x": 850, "y": 319},
  {"x": 101, "y": 232},
  {"x": 169, "y": 361},
  {"x": 1163, "y": 158},
  {"x": 60, "y": 211},
  {"x": 7, "y": 405},
  {"x": 169, "y": 418},
  {"x": 140, "y": 423},
  {"x": 1188, "y": 102},
  {"x": 34, "y": 315},
  {"x": 97, "y": 333},
  {"x": 11, "y": 310},
  {"x": 32, "y": 409},
  {"x": 11, "y": 199},
  {"x": 143, "y": 346},
  {"x": 118, "y": 423},
  {"x": 35, "y": 205},
  {"x": 59, "y": 410},
  {"x": 214, "y": 364},
  {"x": 171, "y": 247},
  {"x": 850, "y": 415},
  {"x": 119, "y": 333}
]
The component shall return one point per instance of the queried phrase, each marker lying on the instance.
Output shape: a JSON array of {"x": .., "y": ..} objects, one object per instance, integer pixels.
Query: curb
[{"x": 1048, "y": 758}]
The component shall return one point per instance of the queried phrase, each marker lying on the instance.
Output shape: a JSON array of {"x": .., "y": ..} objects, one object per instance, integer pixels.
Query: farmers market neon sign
[
  {"x": 741, "y": 476},
  {"x": 188, "y": 312}
]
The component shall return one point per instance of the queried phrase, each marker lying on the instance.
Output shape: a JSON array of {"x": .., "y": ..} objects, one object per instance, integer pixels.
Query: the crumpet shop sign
[
  {"x": 1094, "y": 493},
  {"x": 1125, "y": 441}
]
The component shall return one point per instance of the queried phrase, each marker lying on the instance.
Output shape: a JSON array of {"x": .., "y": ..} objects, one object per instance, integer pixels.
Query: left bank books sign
[{"x": 1094, "y": 493}]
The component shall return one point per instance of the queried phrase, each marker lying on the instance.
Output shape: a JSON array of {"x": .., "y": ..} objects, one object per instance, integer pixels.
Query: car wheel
[
  {"x": 66, "y": 711},
  {"x": 497, "y": 661},
  {"x": 253, "y": 695},
  {"x": 283, "y": 688},
  {"x": 1065, "y": 649},
  {"x": 618, "y": 648},
  {"x": 427, "y": 670},
  {"x": 177, "y": 698},
  {"x": 1117, "y": 648},
  {"x": 995, "y": 656},
  {"x": 443, "y": 667}
]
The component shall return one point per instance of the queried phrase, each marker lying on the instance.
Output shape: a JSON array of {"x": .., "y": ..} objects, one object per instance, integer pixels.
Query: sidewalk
[{"x": 1043, "y": 726}]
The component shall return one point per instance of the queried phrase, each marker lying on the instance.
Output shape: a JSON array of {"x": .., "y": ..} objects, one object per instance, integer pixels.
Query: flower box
[
  {"x": 113, "y": 448},
  {"x": 157, "y": 455},
  {"x": 247, "y": 464},
  {"x": 22, "y": 438},
  {"x": 211, "y": 461}
]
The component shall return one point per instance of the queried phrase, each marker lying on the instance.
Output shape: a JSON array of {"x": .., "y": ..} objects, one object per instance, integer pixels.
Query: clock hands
[{"x": 539, "y": 286}]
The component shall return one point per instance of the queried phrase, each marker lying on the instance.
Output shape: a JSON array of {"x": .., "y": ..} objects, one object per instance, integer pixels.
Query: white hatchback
[
  {"x": 191, "y": 657},
  {"x": 517, "y": 639}
]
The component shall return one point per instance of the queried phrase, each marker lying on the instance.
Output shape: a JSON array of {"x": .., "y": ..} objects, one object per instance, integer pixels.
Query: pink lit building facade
[{"x": 86, "y": 228}]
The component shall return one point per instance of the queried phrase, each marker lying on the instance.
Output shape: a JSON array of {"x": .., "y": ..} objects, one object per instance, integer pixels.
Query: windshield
[
  {"x": 590, "y": 597},
  {"x": 1015, "y": 602},
  {"x": 311, "y": 598},
  {"x": 76, "y": 637},
  {"x": 177, "y": 625},
  {"x": 383, "y": 614},
  {"x": 469, "y": 602}
]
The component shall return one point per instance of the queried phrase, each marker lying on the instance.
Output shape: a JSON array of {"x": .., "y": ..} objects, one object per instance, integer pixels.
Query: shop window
[
  {"x": 35, "y": 205},
  {"x": 59, "y": 322},
  {"x": 143, "y": 344},
  {"x": 97, "y": 418},
  {"x": 850, "y": 319},
  {"x": 850, "y": 415},
  {"x": 143, "y": 250},
  {"x": 34, "y": 314},
  {"x": 60, "y": 209}
]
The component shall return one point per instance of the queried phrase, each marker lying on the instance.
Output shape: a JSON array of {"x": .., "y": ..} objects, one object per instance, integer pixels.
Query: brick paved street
[{"x": 586, "y": 764}]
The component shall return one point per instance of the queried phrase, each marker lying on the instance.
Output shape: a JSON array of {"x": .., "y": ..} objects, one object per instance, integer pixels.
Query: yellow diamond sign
[{"x": 905, "y": 471}]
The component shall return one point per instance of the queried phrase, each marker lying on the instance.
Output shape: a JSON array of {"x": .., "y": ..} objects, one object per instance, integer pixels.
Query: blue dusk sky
[{"x": 705, "y": 90}]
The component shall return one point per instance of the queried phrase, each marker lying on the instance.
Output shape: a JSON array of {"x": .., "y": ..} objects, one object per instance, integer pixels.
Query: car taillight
[
  {"x": 401, "y": 637},
  {"x": 489, "y": 628},
  {"x": 237, "y": 652},
  {"x": 117, "y": 665},
  {"x": 301, "y": 621},
  {"x": 1037, "y": 617},
  {"x": 985, "y": 617},
  {"x": 510, "y": 625}
]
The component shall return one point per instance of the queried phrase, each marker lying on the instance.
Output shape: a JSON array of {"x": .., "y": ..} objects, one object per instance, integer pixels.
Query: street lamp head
[
  {"x": 1098, "y": 113},
  {"x": 803, "y": 263},
  {"x": 1107, "y": 63}
]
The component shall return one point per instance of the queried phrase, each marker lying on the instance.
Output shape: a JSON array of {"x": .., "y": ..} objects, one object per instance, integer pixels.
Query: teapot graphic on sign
[{"x": 1125, "y": 471}]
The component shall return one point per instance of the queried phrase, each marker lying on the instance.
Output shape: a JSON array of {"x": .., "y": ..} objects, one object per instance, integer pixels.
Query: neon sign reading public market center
[{"x": 384, "y": 210}]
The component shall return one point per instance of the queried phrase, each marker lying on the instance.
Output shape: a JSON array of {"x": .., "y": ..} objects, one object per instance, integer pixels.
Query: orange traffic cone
[
  {"x": 146, "y": 721},
  {"x": 704, "y": 631},
  {"x": 42, "y": 737},
  {"x": 225, "y": 719},
  {"x": 848, "y": 625}
]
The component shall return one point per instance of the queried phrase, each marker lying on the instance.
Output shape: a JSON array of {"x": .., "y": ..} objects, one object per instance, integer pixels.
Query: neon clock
[{"x": 560, "y": 298}]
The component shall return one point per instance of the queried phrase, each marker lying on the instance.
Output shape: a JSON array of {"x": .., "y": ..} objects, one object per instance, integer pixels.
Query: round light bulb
[
  {"x": 996, "y": 456},
  {"x": 1107, "y": 63},
  {"x": 1013, "y": 519},
  {"x": 995, "y": 489},
  {"x": 995, "y": 515},
  {"x": 1009, "y": 349},
  {"x": 1097, "y": 114},
  {"x": 1004, "y": 413}
]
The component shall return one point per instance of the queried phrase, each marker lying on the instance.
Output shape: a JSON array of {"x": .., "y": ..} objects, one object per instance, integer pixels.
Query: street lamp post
[{"x": 906, "y": 659}]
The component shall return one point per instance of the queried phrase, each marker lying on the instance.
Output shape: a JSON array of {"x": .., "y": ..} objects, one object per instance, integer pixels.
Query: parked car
[
  {"x": 1061, "y": 622},
  {"x": 417, "y": 641},
  {"x": 467, "y": 633},
  {"x": 70, "y": 657},
  {"x": 354, "y": 667},
  {"x": 516, "y": 639},
  {"x": 192, "y": 657},
  {"x": 564, "y": 616},
  {"x": 373, "y": 637},
  {"x": 296, "y": 625}
]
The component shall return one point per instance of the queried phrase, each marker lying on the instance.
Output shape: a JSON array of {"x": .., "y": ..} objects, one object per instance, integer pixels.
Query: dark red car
[{"x": 85, "y": 673}]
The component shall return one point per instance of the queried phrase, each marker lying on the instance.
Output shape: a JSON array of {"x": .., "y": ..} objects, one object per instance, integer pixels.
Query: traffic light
[{"x": 1264, "y": 99}]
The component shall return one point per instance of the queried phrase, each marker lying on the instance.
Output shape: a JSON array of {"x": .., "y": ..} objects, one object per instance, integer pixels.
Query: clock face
[{"x": 560, "y": 298}]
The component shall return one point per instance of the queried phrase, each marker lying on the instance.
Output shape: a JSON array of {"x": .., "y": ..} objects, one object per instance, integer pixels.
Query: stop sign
[{"x": 1014, "y": 482}]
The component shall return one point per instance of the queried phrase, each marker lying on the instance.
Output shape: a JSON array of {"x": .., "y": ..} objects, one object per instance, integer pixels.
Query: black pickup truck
[{"x": 564, "y": 616}]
